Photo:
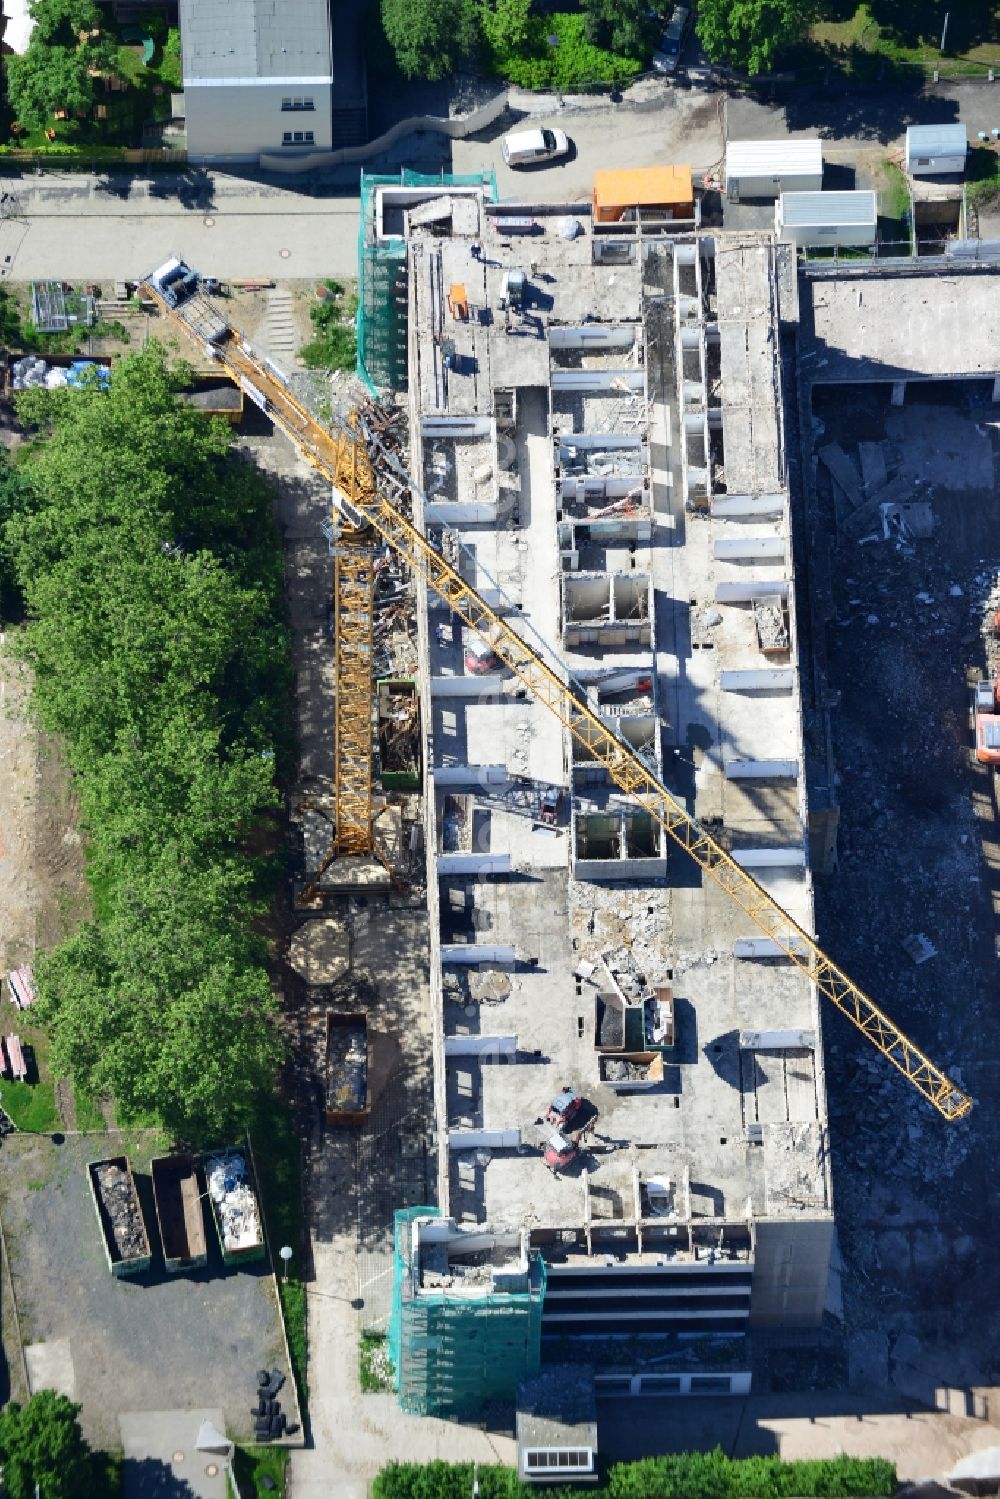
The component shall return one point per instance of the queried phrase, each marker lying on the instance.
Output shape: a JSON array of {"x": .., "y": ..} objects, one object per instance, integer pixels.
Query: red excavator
[
  {"x": 987, "y": 704},
  {"x": 987, "y": 724}
]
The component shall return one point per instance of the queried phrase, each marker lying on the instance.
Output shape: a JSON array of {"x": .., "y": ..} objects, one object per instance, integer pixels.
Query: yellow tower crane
[{"x": 343, "y": 458}]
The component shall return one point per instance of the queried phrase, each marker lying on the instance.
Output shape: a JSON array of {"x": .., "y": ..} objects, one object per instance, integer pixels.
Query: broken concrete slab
[
  {"x": 898, "y": 491},
  {"x": 863, "y": 522},
  {"x": 919, "y": 947},
  {"x": 844, "y": 470},
  {"x": 320, "y": 951},
  {"x": 50, "y": 1367},
  {"x": 873, "y": 469}
]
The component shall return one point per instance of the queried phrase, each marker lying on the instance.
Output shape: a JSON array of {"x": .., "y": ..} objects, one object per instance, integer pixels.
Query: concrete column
[{"x": 898, "y": 392}]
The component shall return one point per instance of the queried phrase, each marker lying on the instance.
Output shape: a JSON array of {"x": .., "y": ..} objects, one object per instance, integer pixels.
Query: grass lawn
[
  {"x": 279, "y": 1170},
  {"x": 864, "y": 39},
  {"x": 32, "y": 1106},
  {"x": 983, "y": 176},
  {"x": 374, "y": 1365},
  {"x": 88, "y": 1112},
  {"x": 251, "y": 1464}
]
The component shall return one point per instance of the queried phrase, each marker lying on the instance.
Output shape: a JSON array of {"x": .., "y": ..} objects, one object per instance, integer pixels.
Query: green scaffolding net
[
  {"x": 453, "y": 1354},
  {"x": 382, "y": 288}
]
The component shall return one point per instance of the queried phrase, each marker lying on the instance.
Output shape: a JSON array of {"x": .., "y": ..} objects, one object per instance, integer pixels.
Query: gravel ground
[
  {"x": 915, "y": 1196},
  {"x": 155, "y": 1342}
]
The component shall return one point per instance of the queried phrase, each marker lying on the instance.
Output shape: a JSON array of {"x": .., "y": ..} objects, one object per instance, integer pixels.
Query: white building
[
  {"x": 820, "y": 219},
  {"x": 764, "y": 169},
  {"x": 258, "y": 76},
  {"x": 935, "y": 150}
]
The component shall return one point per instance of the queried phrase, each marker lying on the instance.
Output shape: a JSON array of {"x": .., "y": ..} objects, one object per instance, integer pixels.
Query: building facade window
[
  {"x": 295, "y": 104},
  {"x": 298, "y": 138}
]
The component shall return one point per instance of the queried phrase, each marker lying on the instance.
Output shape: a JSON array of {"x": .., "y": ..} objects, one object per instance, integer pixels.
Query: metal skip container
[
  {"x": 119, "y": 1216},
  {"x": 235, "y": 1205}
]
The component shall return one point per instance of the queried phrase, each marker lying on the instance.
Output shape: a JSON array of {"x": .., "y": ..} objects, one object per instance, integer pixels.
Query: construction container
[
  {"x": 178, "y": 1192},
  {"x": 399, "y": 738},
  {"x": 935, "y": 150},
  {"x": 235, "y": 1205},
  {"x": 631, "y": 1070},
  {"x": 646, "y": 193},
  {"x": 347, "y": 1100},
  {"x": 826, "y": 219},
  {"x": 763, "y": 169},
  {"x": 770, "y": 617},
  {"x": 609, "y": 1022},
  {"x": 215, "y": 395},
  {"x": 119, "y": 1215}
]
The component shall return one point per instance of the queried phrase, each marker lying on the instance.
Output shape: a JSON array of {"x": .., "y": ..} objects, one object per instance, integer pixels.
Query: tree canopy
[
  {"x": 43, "y": 1451},
  {"x": 622, "y": 26},
  {"x": 749, "y": 34},
  {"x": 64, "y": 60},
  {"x": 431, "y": 38},
  {"x": 151, "y": 576}
]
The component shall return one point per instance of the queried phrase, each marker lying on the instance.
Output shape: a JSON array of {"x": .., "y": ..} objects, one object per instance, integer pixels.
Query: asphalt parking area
[{"x": 156, "y": 1342}]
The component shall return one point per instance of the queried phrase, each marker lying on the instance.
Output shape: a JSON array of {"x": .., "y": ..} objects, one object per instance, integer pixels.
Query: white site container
[
  {"x": 820, "y": 219},
  {"x": 764, "y": 169},
  {"x": 935, "y": 150}
]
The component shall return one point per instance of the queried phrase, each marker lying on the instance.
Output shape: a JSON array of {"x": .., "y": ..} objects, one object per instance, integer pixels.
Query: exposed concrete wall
[{"x": 790, "y": 1273}]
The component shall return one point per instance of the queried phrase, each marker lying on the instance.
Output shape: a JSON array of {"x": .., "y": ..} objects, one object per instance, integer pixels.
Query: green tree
[
  {"x": 750, "y": 34},
  {"x": 63, "y": 22},
  {"x": 509, "y": 26},
  {"x": 152, "y": 579},
  {"x": 61, "y": 68},
  {"x": 43, "y": 1451},
  {"x": 622, "y": 26},
  {"x": 431, "y": 38},
  {"x": 166, "y": 1003}
]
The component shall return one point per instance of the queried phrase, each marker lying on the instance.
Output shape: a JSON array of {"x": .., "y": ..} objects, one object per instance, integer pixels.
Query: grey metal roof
[
  {"x": 245, "y": 40},
  {"x": 936, "y": 140},
  {"x": 773, "y": 158},
  {"x": 812, "y": 209}
]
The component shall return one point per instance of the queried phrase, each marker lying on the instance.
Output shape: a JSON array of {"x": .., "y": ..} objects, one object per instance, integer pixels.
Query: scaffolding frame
[
  {"x": 453, "y": 1355},
  {"x": 383, "y": 304}
]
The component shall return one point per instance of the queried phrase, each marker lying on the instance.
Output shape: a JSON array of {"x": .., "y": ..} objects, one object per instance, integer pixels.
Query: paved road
[
  {"x": 117, "y": 227},
  {"x": 82, "y": 227}
]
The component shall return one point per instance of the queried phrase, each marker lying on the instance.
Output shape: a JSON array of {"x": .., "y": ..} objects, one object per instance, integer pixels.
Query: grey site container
[
  {"x": 935, "y": 150},
  {"x": 764, "y": 169},
  {"x": 825, "y": 219},
  {"x": 116, "y": 1201}
]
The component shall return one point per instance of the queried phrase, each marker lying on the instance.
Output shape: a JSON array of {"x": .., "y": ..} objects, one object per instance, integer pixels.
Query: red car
[
  {"x": 559, "y": 1152},
  {"x": 564, "y": 1108}
]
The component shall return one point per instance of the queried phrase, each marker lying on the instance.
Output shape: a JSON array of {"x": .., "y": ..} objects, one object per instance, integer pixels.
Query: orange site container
[{"x": 669, "y": 188}]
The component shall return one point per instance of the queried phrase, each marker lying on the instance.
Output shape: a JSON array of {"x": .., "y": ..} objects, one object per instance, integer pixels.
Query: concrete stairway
[{"x": 279, "y": 333}]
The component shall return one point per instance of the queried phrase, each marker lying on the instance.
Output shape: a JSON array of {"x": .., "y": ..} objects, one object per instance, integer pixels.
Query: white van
[{"x": 527, "y": 148}]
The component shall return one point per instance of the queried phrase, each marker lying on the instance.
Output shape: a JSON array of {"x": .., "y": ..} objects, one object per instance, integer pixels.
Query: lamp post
[{"x": 286, "y": 1254}]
